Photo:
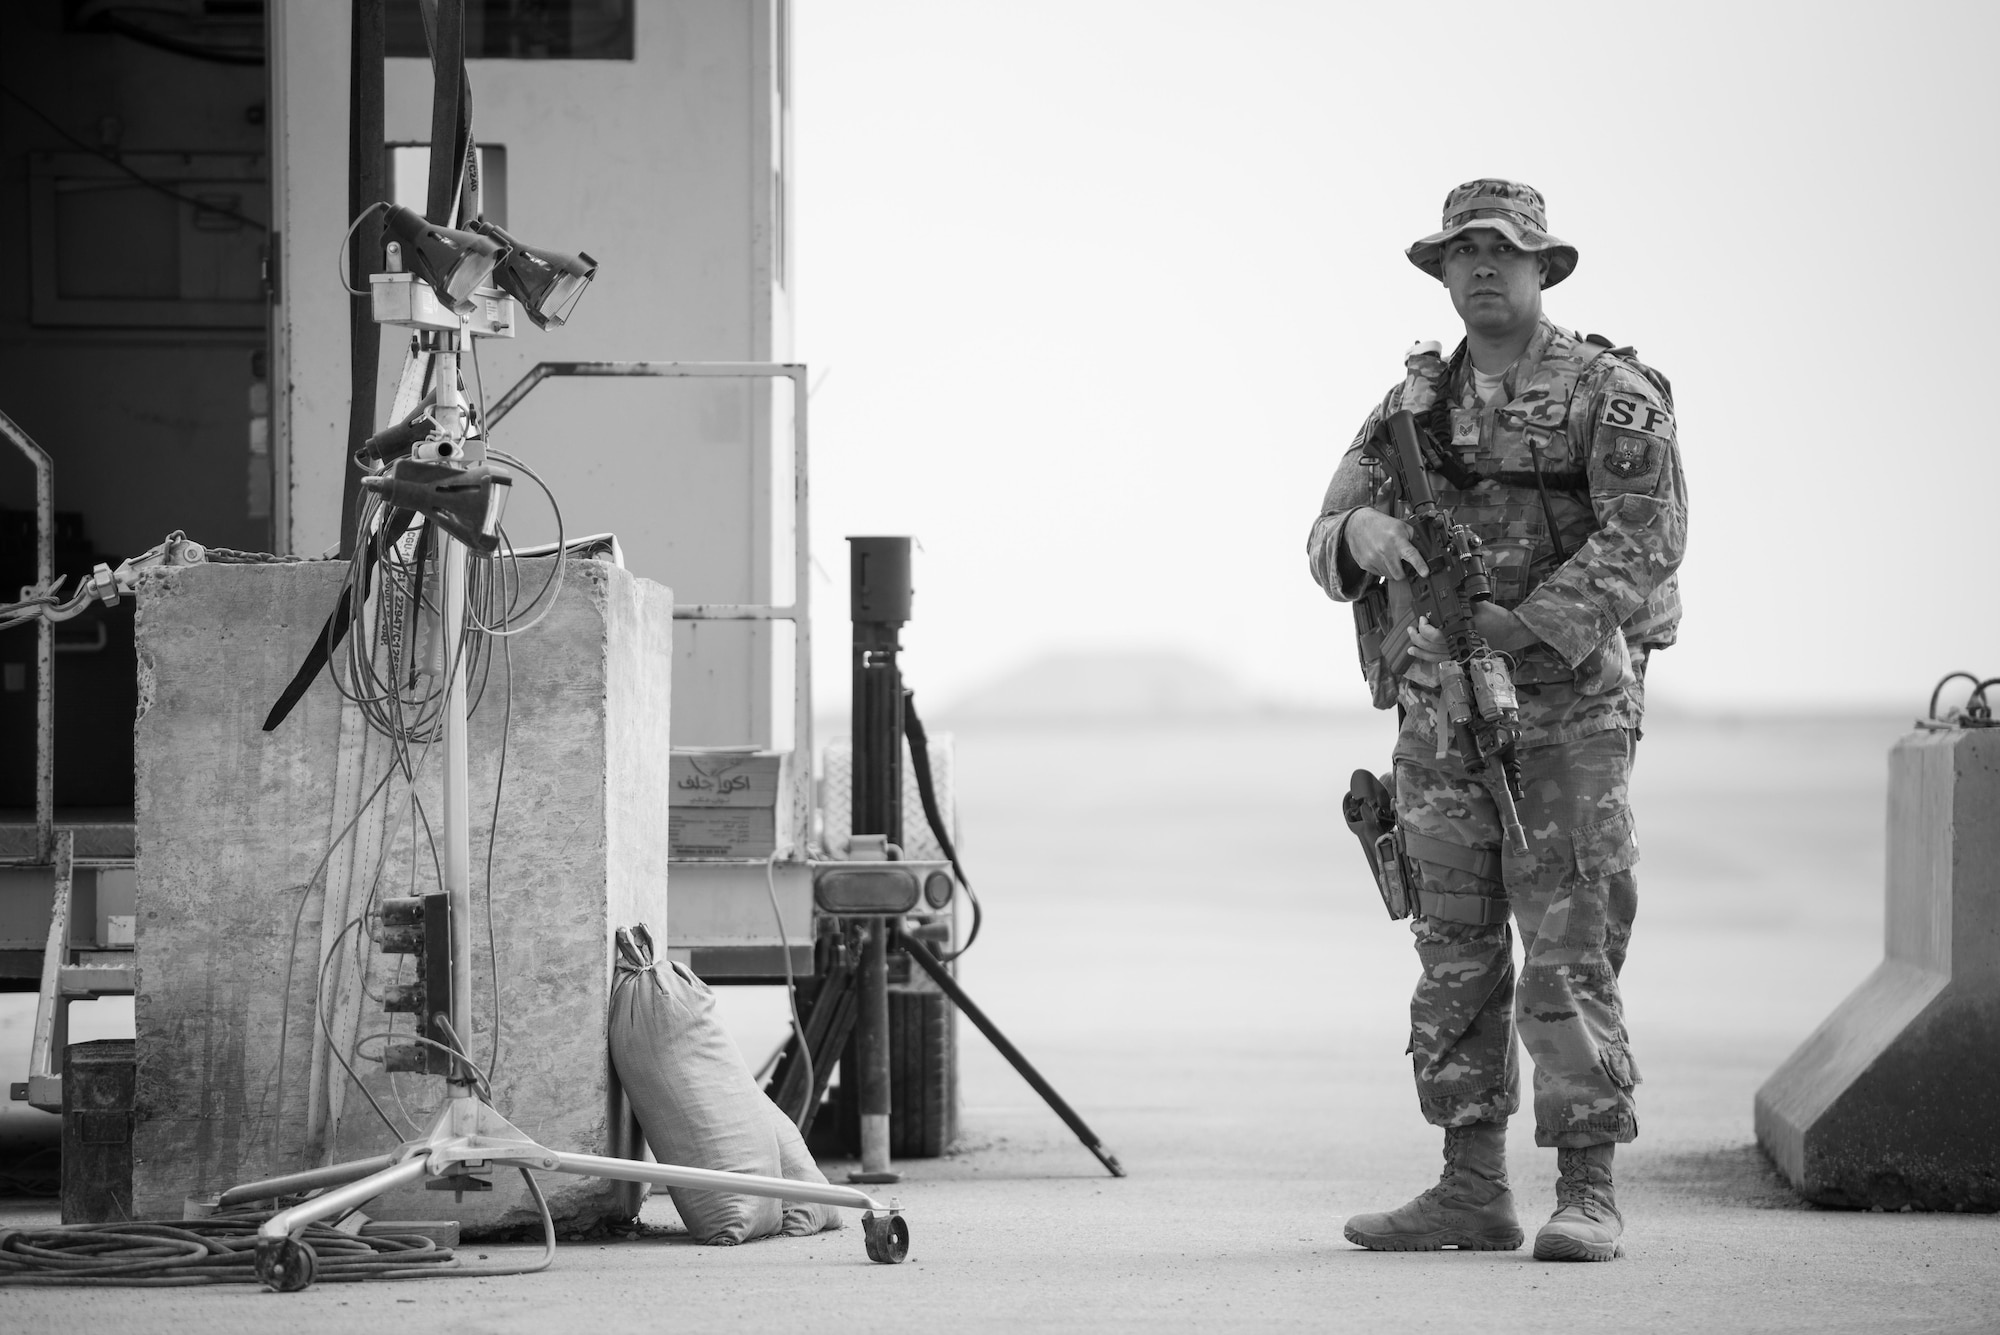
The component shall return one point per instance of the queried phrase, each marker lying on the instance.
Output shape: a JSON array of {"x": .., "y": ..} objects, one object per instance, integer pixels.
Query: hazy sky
[{"x": 1104, "y": 288}]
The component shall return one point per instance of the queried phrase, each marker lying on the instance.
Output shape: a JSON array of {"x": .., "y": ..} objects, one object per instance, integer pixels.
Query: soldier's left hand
[{"x": 1501, "y": 628}]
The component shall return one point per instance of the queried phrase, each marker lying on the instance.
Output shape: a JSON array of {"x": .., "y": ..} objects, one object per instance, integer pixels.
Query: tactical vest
[{"x": 1516, "y": 475}]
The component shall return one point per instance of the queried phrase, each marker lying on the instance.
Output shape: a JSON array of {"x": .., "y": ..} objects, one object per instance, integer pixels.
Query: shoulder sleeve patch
[
  {"x": 1368, "y": 425},
  {"x": 1624, "y": 411},
  {"x": 1631, "y": 456}
]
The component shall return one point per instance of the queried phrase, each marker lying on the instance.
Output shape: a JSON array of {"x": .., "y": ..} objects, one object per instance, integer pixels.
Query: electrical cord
[
  {"x": 222, "y": 1249},
  {"x": 791, "y": 985},
  {"x": 292, "y": 954},
  {"x": 1976, "y": 712},
  {"x": 478, "y": 1071},
  {"x": 340, "y": 257},
  {"x": 320, "y": 1009}
]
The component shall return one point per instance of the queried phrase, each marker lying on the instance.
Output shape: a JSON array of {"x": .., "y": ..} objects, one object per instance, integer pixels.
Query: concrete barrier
[
  {"x": 1894, "y": 1102},
  {"x": 232, "y": 821}
]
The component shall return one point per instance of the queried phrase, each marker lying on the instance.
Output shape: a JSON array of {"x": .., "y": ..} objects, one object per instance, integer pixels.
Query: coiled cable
[{"x": 222, "y": 1249}]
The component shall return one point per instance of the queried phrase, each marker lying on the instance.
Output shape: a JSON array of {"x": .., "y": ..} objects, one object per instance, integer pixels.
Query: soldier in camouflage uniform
[{"x": 1559, "y": 452}]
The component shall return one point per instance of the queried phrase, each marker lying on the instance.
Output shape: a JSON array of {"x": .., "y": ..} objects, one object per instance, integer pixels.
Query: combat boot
[
  {"x": 1586, "y": 1225},
  {"x": 1470, "y": 1207}
]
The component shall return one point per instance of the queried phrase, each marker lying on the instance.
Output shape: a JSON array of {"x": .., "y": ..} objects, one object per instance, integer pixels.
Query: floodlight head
[
  {"x": 547, "y": 283},
  {"x": 464, "y": 502},
  {"x": 451, "y": 261}
]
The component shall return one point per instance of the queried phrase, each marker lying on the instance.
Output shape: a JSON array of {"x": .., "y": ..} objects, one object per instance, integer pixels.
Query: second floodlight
[{"x": 547, "y": 283}]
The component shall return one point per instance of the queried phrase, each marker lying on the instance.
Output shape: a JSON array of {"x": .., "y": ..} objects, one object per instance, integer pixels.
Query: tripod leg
[
  {"x": 341, "y": 1199},
  {"x": 840, "y": 1024},
  {"x": 929, "y": 964},
  {"x": 293, "y": 1184},
  {"x": 827, "y": 1025}
]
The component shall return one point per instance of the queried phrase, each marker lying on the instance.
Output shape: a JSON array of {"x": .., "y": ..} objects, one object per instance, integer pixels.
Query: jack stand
[
  {"x": 872, "y": 1034},
  {"x": 880, "y": 578},
  {"x": 880, "y": 596},
  {"x": 468, "y": 1140}
]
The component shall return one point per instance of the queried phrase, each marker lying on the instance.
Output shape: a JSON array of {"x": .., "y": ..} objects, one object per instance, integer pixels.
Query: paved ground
[{"x": 1181, "y": 936}]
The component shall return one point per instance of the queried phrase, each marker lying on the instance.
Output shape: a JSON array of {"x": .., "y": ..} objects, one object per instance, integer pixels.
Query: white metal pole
[{"x": 457, "y": 850}]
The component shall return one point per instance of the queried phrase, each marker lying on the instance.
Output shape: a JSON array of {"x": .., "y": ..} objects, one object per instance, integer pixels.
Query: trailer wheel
[
  {"x": 286, "y": 1265},
  {"x": 886, "y": 1236}
]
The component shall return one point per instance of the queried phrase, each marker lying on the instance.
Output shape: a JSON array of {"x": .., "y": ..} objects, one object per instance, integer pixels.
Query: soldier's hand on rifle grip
[
  {"x": 1380, "y": 544},
  {"x": 1501, "y": 630}
]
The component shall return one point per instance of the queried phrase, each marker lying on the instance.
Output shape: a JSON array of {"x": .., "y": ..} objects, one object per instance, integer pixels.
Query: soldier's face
[{"x": 1495, "y": 285}]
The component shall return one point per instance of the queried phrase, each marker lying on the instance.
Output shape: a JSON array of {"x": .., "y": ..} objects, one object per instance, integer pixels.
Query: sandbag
[
  {"x": 697, "y": 1102},
  {"x": 795, "y": 1163}
]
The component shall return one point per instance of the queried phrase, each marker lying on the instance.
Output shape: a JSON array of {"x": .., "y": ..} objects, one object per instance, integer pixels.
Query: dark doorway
[{"x": 134, "y": 315}]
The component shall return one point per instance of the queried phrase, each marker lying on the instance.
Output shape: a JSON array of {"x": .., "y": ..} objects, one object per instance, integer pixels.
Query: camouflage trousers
[{"x": 1573, "y": 897}]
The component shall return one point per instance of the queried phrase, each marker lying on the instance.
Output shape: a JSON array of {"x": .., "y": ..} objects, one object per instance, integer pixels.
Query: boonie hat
[{"x": 1514, "y": 210}]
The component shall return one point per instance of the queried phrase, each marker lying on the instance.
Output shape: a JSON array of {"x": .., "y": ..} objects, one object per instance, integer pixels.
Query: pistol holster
[{"x": 1370, "y": 810}]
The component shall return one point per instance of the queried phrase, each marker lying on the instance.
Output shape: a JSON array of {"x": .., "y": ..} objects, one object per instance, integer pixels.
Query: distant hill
[{"x": 1109, "y": 687}]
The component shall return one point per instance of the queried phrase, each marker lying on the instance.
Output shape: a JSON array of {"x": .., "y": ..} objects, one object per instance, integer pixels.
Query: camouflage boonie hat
[{"x": 1514, "y": 210}]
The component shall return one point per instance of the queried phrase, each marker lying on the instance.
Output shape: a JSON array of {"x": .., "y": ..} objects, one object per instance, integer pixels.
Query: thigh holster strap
[
  {"x": 1478, "y": 910},
  {"x": 1481, "y": 862}
]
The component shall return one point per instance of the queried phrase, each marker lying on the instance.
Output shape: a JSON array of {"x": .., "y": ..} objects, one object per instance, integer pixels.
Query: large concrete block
[
  {"x": 237, "y": 1077},
  {"x": 1895, "y": 1100}
]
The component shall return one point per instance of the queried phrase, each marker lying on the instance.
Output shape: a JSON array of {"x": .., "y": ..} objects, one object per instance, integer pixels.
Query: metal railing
[{"x": 45, "y": 640}]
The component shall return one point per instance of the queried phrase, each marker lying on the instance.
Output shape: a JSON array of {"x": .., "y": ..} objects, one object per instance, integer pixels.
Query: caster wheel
[
  {"x": 887, "y": 1236},
  {"x": 285, "y": 1265}
]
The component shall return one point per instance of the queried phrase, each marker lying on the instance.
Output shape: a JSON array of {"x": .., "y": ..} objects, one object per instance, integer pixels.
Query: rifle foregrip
[{"x": 1510, "y": 815}]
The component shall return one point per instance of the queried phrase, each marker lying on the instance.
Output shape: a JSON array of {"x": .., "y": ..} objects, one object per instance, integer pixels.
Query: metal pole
[
  {"x": 880, "y": 600},
  {"x": 342, "y": 1199},
  {"x": 457, "y": 850},
  {"x": 871, "y": 1043},
  {"x": 45, "y": 640},
  {"x": 292, "y": 1184},
  {"x": 701, "y": 1179}
]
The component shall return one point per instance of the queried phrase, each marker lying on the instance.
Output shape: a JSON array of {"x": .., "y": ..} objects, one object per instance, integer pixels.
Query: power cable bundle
[
  {"x": 222, "y": 1249},
  {"x": 1976, "y": 712}
]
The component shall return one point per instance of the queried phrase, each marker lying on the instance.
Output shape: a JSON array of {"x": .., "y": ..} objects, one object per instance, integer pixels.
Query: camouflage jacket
[{"x": 1603, "y": 436}]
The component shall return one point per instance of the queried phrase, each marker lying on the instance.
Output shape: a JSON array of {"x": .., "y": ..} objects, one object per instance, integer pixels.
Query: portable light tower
[{"x": 431, "y": 462}]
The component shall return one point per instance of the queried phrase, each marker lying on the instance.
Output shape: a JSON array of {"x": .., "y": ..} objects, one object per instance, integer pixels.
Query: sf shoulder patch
[
  {"x": 1630, "y": 412},
  {"x": 1630, "y": 457}
]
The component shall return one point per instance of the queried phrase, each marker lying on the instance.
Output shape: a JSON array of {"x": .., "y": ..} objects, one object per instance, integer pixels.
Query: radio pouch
[{"x": 1370, "y": 811}]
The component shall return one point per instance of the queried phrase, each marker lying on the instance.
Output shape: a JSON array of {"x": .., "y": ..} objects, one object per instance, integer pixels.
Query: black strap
[
  {"x": 1481, "y": 862},
  {"x": 920, "y": 761},
  {"x": 335, "y": 629},
  {"x": 1473, "y": 910}
]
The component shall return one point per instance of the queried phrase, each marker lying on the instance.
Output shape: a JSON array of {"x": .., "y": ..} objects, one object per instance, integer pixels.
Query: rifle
[{"x": 1477, "y": 706}]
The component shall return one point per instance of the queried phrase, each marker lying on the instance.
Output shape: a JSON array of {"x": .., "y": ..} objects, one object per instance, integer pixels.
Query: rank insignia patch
[{"x": 1630, "y": 457}]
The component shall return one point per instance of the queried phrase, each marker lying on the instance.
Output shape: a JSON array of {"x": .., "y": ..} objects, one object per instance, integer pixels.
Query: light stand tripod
[{"x": 469, "y": 1137}]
